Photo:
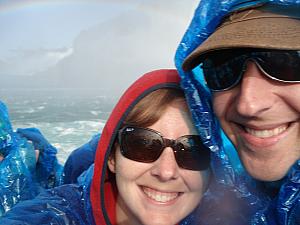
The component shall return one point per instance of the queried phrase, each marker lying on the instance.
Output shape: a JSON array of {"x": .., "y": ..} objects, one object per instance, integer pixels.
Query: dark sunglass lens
[
  {"x": 222, "y": 74},
  {"x": 282, "y": 65},
  {"x": 140, "y": 145},
  {"x": 191, "y": 154}
]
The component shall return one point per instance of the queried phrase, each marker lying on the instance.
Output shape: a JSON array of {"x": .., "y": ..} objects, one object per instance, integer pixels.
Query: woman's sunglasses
[
  {"x": 223, "y": 70},
  {"x": 146, "y": 145}
]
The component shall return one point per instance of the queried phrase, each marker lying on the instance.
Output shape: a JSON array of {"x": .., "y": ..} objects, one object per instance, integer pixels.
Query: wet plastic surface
[
  {"x": 229, "y": 173},
  {"x": 22, "y": 176}
]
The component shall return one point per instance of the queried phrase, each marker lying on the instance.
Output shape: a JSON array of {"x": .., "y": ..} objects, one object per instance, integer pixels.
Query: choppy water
[{"x": 68, "y": 118}]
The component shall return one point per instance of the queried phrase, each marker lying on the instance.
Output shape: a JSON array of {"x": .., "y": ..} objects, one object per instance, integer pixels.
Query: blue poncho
[
  {"x": 22, "y": 177},
  {"x": 255, "y": 207}
]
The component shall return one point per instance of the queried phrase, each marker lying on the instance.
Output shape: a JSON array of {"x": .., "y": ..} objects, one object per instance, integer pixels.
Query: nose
[
  {"x": 165, "y": 168},
  {"x": 255, "y": 94}
]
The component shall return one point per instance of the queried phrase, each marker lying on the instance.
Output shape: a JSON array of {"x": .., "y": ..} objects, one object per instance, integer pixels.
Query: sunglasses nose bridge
[
  {"x": 244, "y": 61},
  {"x": 169, "y": 143},
  {"x": 256, "y": 61}
]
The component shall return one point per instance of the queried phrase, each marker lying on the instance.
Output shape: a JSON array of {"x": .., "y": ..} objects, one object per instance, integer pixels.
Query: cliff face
[{"x": 117, "y": 51}]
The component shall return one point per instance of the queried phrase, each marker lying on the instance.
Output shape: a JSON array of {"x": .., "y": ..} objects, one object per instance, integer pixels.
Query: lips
[
  {"x": 159, "y": 196},
  {"x": 267, "y": 132},
  {"x": 266, "y": 136}
]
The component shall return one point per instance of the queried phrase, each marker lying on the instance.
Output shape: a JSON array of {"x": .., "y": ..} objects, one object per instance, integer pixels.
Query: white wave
[{"x": 66, "y": 136}]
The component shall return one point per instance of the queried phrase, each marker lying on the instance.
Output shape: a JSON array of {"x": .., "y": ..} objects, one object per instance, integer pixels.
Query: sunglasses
[
  {"x": 146, "y": 145},
  {"x": 224, "y": 70}
]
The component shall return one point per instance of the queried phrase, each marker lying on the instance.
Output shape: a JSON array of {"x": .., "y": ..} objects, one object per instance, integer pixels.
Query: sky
[{"x": 105, "y": 43}]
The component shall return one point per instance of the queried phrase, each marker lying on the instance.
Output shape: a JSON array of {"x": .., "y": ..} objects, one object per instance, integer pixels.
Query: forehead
[{"x": 176, "y": 121}]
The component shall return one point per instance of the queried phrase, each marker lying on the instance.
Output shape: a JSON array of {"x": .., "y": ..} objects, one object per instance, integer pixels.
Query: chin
[
  {"x": 159, "y": 220},
  {"x": 267, "y": 176},
  {"x": 266, "y": 169}
]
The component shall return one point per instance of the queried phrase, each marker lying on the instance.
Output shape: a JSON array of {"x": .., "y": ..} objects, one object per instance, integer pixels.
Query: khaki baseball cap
[{"x": 268, "y": 26}]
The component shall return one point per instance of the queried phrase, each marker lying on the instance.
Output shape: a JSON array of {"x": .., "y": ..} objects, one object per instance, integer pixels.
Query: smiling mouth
[
  {"x": 162, "y": 197},
  {"x": 267, "y": 132}
]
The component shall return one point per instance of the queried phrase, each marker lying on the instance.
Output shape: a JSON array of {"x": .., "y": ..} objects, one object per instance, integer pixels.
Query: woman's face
[{"x": 159, "y": 192}]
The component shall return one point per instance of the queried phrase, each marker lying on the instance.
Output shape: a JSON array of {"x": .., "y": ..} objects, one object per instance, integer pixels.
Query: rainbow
[{"x": 17, "y": 5}]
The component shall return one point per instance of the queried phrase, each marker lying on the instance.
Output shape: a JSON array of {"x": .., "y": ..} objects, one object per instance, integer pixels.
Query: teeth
[
  {"x": 160, "y": 196},
  {"x": 266, "y": 133}
]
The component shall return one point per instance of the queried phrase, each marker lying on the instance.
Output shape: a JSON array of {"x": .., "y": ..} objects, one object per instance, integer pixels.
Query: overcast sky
[{"x": 99, "y": 40}]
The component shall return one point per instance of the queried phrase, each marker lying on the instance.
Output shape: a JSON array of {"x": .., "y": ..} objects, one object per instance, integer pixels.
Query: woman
[{"x": 150, "y": 166}]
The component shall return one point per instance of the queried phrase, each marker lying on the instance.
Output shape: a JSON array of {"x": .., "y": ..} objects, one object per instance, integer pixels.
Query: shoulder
[{"x": 60, "y": 205}]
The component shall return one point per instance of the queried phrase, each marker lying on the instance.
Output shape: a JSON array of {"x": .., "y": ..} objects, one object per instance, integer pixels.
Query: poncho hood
[
  {"x": 227, "y": 168},
  {"x": 103, "y": 193}
]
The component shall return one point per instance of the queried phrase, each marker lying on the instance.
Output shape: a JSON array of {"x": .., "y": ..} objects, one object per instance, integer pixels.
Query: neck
[{"x": 272, "y": 188}]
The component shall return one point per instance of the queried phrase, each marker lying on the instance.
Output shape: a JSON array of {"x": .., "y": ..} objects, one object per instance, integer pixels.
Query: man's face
[{"x": 262, "y": 119}]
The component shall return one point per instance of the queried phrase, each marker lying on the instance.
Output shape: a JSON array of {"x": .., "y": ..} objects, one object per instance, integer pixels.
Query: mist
[{"x": 109, "y": 55}]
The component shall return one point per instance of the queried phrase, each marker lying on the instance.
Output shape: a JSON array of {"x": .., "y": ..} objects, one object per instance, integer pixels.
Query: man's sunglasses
[
  {"x": 223, "y": 70},
  {"x": 146, "y": 145}
]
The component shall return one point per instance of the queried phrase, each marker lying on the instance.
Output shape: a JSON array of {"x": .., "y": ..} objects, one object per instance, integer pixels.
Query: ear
[{"x": 112, "y": 164}]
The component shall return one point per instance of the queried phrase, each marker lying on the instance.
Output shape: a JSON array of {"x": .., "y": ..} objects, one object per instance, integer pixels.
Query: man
[{"x": 251, "y": 64}]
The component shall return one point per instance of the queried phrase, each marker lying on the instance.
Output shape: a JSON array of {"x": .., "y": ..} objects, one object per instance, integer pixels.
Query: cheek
[
  {"x": 224, "y": 111},
  {"x": 123, "y": 167},
  {"x": 197, "y": 181},
  {"x": 206, "y": 177},
  {"x": 292, "y": 97},
  {"x": 128, "y": 170},
  {"x": 221, "y": 103},
  {"x": 224, "y": 106}
]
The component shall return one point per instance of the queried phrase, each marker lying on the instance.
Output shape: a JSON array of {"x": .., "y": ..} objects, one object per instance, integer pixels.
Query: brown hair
[{"x": 149, "y": 109}]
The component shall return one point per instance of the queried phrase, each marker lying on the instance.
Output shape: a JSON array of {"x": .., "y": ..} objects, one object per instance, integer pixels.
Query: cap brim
[{"x": 262, "y": 32}]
